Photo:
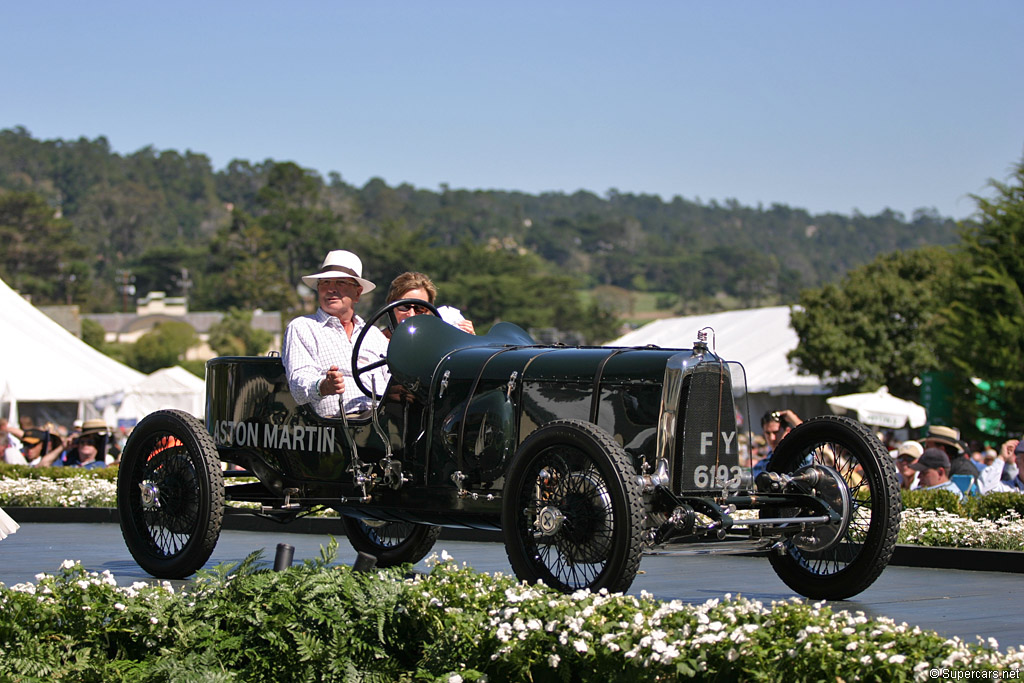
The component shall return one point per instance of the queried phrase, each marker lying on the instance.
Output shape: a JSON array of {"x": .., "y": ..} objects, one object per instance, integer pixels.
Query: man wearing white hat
[{"x": 317, "y": 351}]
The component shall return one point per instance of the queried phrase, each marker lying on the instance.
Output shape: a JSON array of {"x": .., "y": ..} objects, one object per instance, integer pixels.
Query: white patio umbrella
[{"x": 880, "y": 408}]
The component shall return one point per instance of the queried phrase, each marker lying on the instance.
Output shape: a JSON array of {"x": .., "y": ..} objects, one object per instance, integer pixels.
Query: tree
[
  {"x": 93, "y": 333},
  {"x": 162, "y": 347},
  {"x": 294, "y": 221},
  {"x": 988, "y": 310},
  {"x": 243, "y": 271},
  {"x": 234, "y": 335},
  {"x": 40, "y": 250},
  {"x": 496, "y": 284},
  {"x": 882, "y": 324}
]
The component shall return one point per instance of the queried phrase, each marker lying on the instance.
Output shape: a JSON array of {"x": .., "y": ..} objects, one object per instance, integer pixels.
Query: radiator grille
[{"x": 706, "y": 436}]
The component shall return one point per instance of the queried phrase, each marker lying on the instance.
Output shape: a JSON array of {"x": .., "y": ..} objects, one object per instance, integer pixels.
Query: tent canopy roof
[
  {"x": 42, "y": 361},
  {"x": 758, "y": 338}
]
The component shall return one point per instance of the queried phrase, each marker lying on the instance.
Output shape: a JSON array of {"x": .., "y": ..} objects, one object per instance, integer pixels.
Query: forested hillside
[{"x": 82, "y": 224}]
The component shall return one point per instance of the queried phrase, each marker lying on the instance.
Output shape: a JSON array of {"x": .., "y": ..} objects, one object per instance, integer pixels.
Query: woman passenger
[{"x": 413, "y": 285}]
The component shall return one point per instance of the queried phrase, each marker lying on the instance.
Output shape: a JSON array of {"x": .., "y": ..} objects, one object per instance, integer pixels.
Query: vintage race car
[{"x": 584, "y": 458}]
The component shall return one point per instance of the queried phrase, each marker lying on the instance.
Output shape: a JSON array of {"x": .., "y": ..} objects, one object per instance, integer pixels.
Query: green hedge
[
  {"x": 989, "y": 506},
  {"x": 27, "y": 472}
]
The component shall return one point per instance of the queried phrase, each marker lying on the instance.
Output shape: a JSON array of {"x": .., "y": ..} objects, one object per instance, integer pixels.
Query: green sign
[{"x": 936, "y": 397}]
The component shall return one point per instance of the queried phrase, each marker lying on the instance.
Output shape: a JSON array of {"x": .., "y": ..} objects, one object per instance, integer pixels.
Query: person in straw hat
[
  {"x": 317, "y": 351},
  {"x": 948, "y": 440},
  {"x": 89, "y": 449}
]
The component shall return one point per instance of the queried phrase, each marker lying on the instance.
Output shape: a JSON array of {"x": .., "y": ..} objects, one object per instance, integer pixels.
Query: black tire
[
  {"x": 392, "y": 543},
  {"x": 867, "y": 543},
  {"x": 573, "y": 510},
  {"x": 170, "y": 494}
]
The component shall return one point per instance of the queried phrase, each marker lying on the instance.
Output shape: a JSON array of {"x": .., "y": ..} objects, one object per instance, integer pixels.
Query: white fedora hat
[{"x": 338, "y": 265}]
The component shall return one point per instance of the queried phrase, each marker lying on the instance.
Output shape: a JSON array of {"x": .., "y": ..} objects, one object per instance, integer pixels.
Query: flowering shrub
[
  {"x": 322, "y": 622},
  {"x": 63, "y": 492},
  {"x": 948, "y": 529}
]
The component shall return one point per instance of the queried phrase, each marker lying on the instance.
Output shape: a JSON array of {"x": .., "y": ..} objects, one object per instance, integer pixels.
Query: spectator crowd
[
  {"x": 942, "y": 457},
  {"x": 939, "y": 460},
  {"x": 86, "y": 444}
]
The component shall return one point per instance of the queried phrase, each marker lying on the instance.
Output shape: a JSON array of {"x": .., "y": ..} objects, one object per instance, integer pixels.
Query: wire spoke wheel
[
  {"x": 392, "y": 543},
  {"x": 868, "y": 538},
  {"x": 170, "y": 490},
  {"x": 573, "y": 512},
  {"x": 170, "y": 493}
]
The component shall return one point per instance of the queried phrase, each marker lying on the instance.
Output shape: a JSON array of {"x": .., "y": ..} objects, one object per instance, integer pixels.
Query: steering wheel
[{"x": 389, "y": 310}]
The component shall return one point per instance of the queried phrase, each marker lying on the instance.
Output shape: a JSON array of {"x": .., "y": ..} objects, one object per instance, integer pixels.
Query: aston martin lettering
[{"x": 291, "y": 437}]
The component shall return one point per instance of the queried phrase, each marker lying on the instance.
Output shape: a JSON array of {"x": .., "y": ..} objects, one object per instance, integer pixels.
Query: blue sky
[{"x": 828, "y": 106}]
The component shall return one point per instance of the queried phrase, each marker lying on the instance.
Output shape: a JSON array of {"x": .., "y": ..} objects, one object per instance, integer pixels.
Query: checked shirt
[{"x": 313, "y": 343}]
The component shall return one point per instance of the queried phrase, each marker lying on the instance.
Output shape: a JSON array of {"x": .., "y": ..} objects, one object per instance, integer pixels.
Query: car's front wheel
[
  {"x": 867, "y": 537},
  {"x": 170, "y": 494}
]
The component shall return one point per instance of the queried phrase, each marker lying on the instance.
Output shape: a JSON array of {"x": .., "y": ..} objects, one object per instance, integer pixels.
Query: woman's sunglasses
[{"x": 405, "y": 308}]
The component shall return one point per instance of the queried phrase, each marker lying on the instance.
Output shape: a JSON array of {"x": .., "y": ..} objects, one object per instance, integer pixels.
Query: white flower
[
  {"x": 553, "y": 661},
  {"x": 579, "y": 645},
  {"x": 119, "y": 606}
]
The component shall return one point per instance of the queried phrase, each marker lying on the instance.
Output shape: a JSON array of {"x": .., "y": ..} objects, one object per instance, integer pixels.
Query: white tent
[
  {"x": 759, "y": 338},
  {"x": 173, "y": 387},
  {"x": 40, "y": 361},
  {"x": 880, "y": 408}
]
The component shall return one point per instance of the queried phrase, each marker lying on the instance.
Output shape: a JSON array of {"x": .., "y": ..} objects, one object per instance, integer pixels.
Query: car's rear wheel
[
  {"x": 573, "y": 512},
  {"x": 852, "y": 562},
  {"x": 392, "y": 543},
  {"x": 170, "y": 494}
]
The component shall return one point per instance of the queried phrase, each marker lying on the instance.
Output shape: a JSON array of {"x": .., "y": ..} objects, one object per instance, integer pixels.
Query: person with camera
[
  {"x": 40, "y": 448},
  {"x": 775, "y": 425}
]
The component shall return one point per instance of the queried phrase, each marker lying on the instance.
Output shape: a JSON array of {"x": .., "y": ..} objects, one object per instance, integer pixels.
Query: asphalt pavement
[{"x": 950, "y": 601}]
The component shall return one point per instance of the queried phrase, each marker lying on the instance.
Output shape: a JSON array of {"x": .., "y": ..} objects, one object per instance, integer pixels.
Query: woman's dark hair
[{"x": 408, "y": 281}]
